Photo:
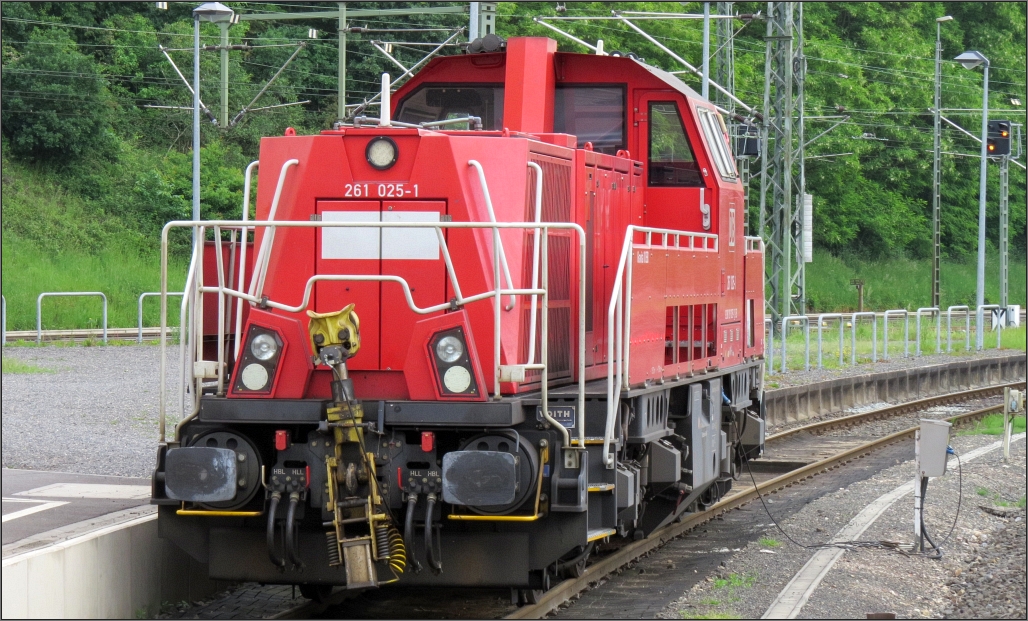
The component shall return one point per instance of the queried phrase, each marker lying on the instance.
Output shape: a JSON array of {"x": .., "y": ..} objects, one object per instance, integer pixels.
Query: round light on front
[
  {"x": 264, "y": 347},
  {"x": 255, "y": 376},
  {"x": 457, "y": 379},
  {"x": 381, "y": 153},
  {"x": 449, "y": 349}
]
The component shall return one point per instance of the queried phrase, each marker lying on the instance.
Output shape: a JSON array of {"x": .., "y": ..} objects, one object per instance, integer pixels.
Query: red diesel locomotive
[{"x": 511, "y": 318}]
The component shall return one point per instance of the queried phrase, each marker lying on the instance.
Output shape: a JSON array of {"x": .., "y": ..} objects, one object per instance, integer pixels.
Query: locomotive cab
[{"x": 516, "y": 311}]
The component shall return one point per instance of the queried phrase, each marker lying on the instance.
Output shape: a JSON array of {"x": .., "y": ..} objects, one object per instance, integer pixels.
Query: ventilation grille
[{"x": 556, "y": 207}]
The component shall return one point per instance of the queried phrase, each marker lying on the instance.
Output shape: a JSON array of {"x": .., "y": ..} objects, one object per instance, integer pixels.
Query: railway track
[{"x": 791, "y": 457}]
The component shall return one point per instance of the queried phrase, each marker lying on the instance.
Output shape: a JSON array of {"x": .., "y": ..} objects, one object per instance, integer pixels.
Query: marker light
[
  {"x": 381, "y": 153},
  {"x": 255, "y": 376},
  {"x": 449, "y": 349},
  {"x": 457, "y": 379},
  {"x": 263, "y": 347}
]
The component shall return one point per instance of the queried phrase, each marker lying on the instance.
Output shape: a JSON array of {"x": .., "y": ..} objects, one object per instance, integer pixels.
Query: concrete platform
[
  {"x": 86, "y": 546},
  {"x": 35, "y": 503}
]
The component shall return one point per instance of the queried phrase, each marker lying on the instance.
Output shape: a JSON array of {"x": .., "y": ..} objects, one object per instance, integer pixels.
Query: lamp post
[
  {"x": 970, "y": 60},
  {"x": 937, "y": 170},
  {"x": 218, "y": 13}
]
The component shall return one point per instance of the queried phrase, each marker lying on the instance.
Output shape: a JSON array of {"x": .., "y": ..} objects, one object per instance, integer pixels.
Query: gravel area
[
  {"x": 983, "y": 561},
  {"x": 94, "y": 410},
  {"x": 777, "y": 379}
]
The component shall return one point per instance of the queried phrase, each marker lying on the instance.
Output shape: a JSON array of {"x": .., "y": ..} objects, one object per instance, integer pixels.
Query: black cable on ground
[{"x": 816, "y": 546}]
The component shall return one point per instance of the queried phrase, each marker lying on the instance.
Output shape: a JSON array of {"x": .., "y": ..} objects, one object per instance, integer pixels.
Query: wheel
[
  {"x": 529, "y": 597},
  {"x": 316, "y": 592}
]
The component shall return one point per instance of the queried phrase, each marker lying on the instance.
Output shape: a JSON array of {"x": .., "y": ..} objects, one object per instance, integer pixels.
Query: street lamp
[
  {"x": 937, "y": 169},
  {"x": 970, "y": 60},
  {"x": 214, "y": 12}
]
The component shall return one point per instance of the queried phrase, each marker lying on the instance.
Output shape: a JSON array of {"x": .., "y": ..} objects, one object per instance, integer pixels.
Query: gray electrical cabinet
[{"x": 934, "y": 440}]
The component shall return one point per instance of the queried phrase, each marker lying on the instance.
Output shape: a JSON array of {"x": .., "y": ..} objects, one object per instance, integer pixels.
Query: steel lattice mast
[{"x": 782, "y": 177}]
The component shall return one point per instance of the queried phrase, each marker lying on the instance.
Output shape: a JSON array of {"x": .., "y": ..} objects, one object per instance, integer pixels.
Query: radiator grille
[{"x": 556, "y": 207}]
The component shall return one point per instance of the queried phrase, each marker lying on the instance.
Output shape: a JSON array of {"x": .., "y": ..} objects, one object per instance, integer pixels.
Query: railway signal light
[{"x": 998, "y": 138}]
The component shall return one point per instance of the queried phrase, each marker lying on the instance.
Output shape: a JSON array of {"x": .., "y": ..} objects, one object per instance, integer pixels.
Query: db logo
[{"x": 643, "y": 256}]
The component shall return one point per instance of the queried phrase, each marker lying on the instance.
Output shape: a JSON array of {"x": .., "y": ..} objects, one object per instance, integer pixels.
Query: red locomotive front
[{"x": 517, "y": 311}]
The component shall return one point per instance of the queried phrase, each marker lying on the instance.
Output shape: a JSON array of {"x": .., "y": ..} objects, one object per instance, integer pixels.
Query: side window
[
  {"x": 713, "y": 130},
  {"x": 672, "y": 162},
  {"x": 595, "y": 114}
]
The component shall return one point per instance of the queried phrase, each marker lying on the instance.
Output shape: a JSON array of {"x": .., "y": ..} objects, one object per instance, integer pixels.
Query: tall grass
[
  {"x": 118, "y": 272},
  {"x": 54, "y": 240},
  {"x": 906, "y": 283}
]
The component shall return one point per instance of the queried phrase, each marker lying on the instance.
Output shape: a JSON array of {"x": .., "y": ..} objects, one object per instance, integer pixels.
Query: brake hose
[
  {"x": 408, "y": 532},
  {"x": 272, "y": 507},
  {"x": 436, "y": 565}
]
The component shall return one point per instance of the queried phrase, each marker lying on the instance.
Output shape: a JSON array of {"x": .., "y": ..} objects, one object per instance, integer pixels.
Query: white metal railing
[
  {"x": 906, "y": 332},
  {"x": 938, "y": 327},
  {"x": 999, "y": 324},
  {"x": 769, "y": 342},
  {"x": 949, "y": 327},
  {"x": 820, "y": 324},
  {"x": 3, "y": 320},
  {"x": 806, "y": 333},
  {"x": 63, "y": 294},
  {"x": 874, "y": 336},
  {"x": 191, "y": 309},
  {"x": 619, "y": 313}
]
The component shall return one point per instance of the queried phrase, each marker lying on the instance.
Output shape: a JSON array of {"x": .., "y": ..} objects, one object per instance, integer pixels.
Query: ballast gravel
[
  {"x": 981, "y": 573},
  {"x": 94, "y": 410}
]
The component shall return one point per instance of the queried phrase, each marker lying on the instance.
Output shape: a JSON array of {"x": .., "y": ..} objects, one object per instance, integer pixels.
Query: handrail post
[
  {"x": 785, "y": 333},
  {"x": 820, "y": 325},
  {"x": 927, "y": 309},
  {"x": 3, "y": 321},
  {"x": 66, "y": 294},
  {"x": 874, "y": 335},
  {"x": 906, "y": 331}
]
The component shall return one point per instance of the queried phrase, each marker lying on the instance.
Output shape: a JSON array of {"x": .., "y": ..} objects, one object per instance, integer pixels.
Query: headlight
[
  {"x": 449, "y": 349},
  {"x": 381, "y": 153},
  {"x": 254, "y": 376},
  {"x": 263, "y": 347}
]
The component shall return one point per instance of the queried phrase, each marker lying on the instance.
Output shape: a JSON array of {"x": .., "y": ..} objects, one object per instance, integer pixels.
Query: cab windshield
[{"x": 436, "y": 102}]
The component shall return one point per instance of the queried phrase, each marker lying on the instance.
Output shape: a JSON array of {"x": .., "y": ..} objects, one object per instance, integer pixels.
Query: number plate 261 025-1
[{"x": 563, "y": 414}]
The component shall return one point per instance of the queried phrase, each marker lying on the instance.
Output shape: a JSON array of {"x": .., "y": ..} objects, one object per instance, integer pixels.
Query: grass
[
  {"x": 870, "y": 342},
  {"x": 992, "y": 425},
  {"x": 905, "y": 283},
  {"x": 998, "y": 500},
  {"x": 17, "y": 367},
  {"x": 769, "y": 542},
  {"x": 729, "y": 584},
  {"x": 735, "y": 581}
]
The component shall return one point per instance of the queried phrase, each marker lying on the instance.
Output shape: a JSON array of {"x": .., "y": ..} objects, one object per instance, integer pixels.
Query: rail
[
  {"x": 938, "y": 327},
  {"x": 191, "y": 309},
  {"x": 619, "y": 313},
  {"x": 63, "y": 294},
  {"x": 906, "y": 332},
  {"x": 139, "y": 310}
]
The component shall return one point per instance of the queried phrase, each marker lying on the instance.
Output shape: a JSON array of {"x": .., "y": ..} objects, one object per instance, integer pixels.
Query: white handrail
[
  {"x": 260, "y": 264},
  {"x": 938, "y": 327},
  {"x": 195, "y": 288},
  {"x": 949, "y": 327},
  {"x": 492, "y": 219},
  {"x": 622, "y": 311},
  {"x": 242, "y": 254},
  {"x": 785, "y": 332},
  {"x": 906, "y": 332},
  {"x": 535, "y": 257}
]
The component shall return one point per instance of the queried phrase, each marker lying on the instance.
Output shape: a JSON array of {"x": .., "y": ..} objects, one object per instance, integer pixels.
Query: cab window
[
  {"x": 435, "y": 102},
  {"x": 672, "y": 162},
  {"x": 714, "y": 131},
  {"x": 594, "y": 114}
]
